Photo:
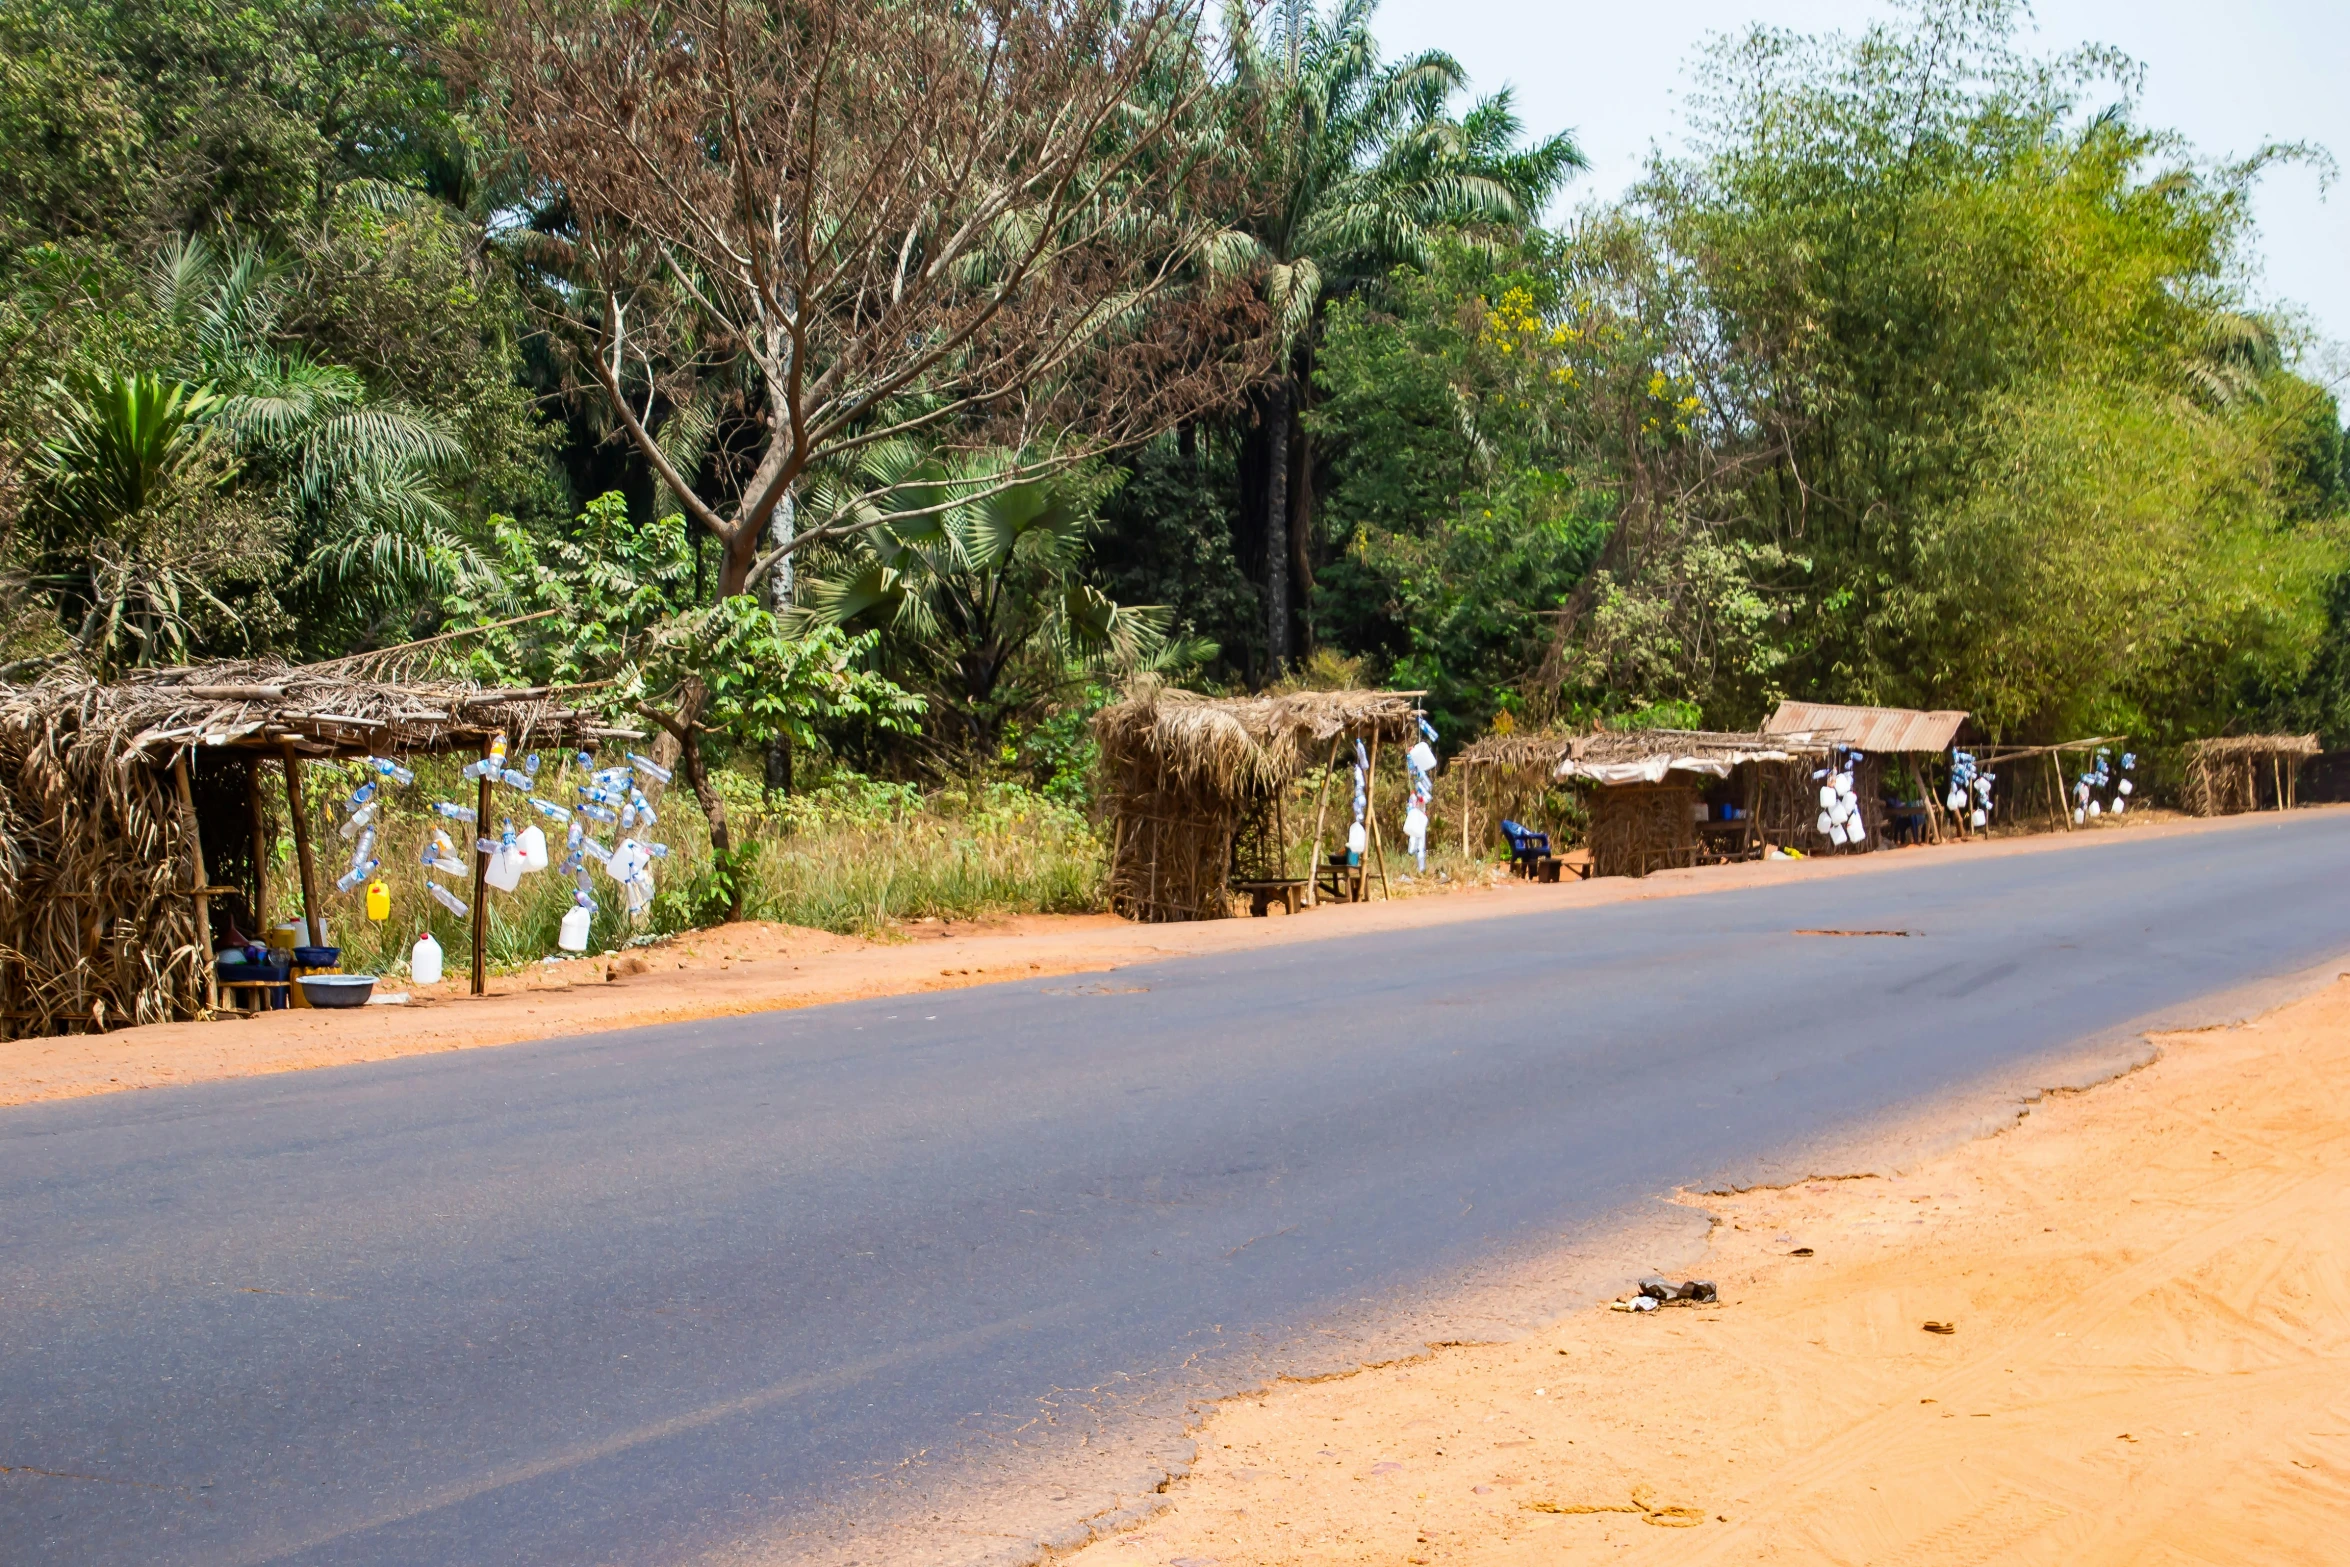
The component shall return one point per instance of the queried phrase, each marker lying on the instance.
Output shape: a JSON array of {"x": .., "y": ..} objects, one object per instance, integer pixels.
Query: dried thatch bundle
[
  {"x": 97, "y": 885},
  {"x": 1184, "y": 770},
  {"x": 2222, "y": 775},
  {"x": 1532, "y": 750}
]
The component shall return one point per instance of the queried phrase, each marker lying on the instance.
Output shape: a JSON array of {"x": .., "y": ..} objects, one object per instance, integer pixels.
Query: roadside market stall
[
  {"x": 111, "y": 793},
  {"x": 1647, "y": 789},
  {"x": 1198, "y": 788},
  {"x": 2223, "y": 776},
  {"x": 1912, "y": 739},
  {"x": 1504, "y": 766}
]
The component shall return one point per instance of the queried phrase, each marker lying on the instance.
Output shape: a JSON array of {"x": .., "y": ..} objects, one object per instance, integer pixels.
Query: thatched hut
[
  {"x": 1647, "y": 792},
  {"x": 1786, "y": 798},
  {"x": 1197, "y": 785},
  {"x": 111, "y": 792},
  {"x": 2223, "y": 777}
]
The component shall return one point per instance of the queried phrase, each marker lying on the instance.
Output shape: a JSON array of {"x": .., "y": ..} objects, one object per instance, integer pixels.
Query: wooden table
[
  {"x": 258, "y": 1001},
  {"x": 1288, "y": 891},
  {"x": 1340, "y": 882}
]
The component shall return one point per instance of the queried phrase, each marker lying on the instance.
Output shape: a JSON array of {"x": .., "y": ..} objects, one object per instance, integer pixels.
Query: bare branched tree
[{"x": 992, "y": 223}]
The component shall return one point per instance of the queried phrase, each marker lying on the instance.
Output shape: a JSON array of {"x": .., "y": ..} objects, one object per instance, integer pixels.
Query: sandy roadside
[
  {"x": 2149, "y": 1285},
  {"x": 748, "y": 968}
]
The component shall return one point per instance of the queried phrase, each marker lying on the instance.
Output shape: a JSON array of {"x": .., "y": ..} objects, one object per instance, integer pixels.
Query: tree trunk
[
  {"x": 780, "y": 596},
  {"x": 685, "y": 727},
  {"x": 1277, "y": 533},
  {"x": 1301, "y": 502}
]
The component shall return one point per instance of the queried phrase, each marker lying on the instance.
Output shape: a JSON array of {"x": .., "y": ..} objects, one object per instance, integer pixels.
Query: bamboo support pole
[
  {"x": 2064, "y": 810},
  {"x": 187, "y": 793},
  {"x": 1466, "y": 798},
  {"x": 1371, "y": 811},
  {"x": 481, "y": 884},
  {"x": 260, "y": 851},
  {"x": 312, "y": 933},
  {"x": 1321, "y": 817}
]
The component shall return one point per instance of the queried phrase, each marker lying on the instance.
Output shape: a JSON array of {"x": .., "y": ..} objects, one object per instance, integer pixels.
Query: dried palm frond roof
[
  {"x": 1523, "y": 750},
  {"x": 1240, "y": 745},
  {"x": 317, "y": 710},
  {"x": 2222, "y": 747}
]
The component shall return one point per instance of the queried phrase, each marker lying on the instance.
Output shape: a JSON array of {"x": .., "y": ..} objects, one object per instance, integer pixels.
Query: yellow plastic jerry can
[{"x": 379, "y": 900}]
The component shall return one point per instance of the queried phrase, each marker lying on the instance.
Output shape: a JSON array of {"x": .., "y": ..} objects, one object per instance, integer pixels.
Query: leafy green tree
[
  {"x": 1359, "y": 168},
  {"x": 614, "y": 605}
]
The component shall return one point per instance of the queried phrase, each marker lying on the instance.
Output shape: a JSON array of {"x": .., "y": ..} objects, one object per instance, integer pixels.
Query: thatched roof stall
[
  {"x": 1186, "y": 772},
  {"x": 105, "y": 895},
  {"x": 1646, "y": 786},
  {"x": 2222, "y": 776}
]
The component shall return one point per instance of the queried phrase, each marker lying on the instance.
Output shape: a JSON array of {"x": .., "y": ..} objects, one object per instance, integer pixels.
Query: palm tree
[
  {"x": 973, "y": 575},
  {"x": 1360, "y": 169},
  {"x": 361, "y": 480}
]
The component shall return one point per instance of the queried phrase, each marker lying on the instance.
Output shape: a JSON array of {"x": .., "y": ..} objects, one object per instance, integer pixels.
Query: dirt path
[
  {"x": 754, "y": 968},
  {"x": 2149, "y": 1286}
]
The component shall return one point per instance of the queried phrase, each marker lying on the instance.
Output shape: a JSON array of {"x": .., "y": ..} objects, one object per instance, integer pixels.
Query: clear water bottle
[
  {"x": 385, "y": 767},
  {"x": 447, "y": 899},
  {"x": 650, "y": 768},
  {"x": 550, "y": 810},
  {"x": 354, "y": 876},
  {"x": 455, "y": 813}
]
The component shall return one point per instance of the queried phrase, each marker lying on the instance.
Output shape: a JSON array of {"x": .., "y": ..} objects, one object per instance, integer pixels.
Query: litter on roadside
[{"x": 1655, "y": 1292}]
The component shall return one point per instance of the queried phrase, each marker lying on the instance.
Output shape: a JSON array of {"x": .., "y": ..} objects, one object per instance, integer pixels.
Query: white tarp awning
[{"x": 1652, "y": 769}]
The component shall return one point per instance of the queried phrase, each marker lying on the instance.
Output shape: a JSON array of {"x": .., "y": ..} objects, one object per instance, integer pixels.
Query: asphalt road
[{"x": 645, "y": 1296}]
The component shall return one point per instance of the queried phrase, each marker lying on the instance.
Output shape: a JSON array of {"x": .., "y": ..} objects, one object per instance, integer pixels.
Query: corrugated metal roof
[{"x": 1867, "y": 728}]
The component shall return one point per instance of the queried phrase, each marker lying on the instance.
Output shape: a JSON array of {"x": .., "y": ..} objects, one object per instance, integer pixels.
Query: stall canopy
[{"x": 1646, "y": 755}]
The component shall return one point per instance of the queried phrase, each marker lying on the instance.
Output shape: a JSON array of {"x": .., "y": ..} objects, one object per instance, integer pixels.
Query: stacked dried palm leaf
[
  {"x": 97, "y": 917},
  {"x": 1183, "y": 770}
]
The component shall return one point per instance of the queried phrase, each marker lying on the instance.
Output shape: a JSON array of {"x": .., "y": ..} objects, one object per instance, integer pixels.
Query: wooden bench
[{"x": 1288, "y": 891}]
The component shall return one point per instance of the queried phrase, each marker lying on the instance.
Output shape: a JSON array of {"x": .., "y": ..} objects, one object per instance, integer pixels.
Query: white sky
[{"x": 2228, "y": 74}]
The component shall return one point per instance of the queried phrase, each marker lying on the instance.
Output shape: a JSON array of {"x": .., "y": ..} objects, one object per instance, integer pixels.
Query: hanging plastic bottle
[
  {"x": 364, "y": 847},
  {"x": 550, "y": 810},
  {"x": 589, "y": 808},
  {"x": 385, "y": 767},
  {"x": 455, "y": 813},
  {"x": 595, "y": 851},
  {"x": 379, "y": 901},
  {"x": 650, "y": 768},
  {"x": 424, "y": 959},
  {"x": 514, "y": 778},
  {"x": 447, "y": 899},
  {"x": 358, "y": 819},
  {"x": 530, "y": 764},
  {"x": 358, "y": 797},
  {"x": 354, "y": 876}
]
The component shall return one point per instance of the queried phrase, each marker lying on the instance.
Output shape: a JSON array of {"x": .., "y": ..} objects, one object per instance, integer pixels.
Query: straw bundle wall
[{"x": 1638, "y": 828}]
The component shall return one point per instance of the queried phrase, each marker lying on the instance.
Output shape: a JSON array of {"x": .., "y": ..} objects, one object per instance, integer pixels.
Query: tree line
[{"x": 895, "y": 378}]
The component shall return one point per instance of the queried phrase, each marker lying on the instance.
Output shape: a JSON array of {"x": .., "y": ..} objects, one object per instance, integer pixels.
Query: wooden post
[
  {"x": 1321, "y": 816},
  {"x": 301, "y": 819},
  {"x": 2064, "y": 801},
  {"x": 1371, "y": 814},
  {"x": 2276, "y": 773},
  {"x": 1465, "y": 799},
  {"x": 481, "y": 884},
  {"x": 260, "y": 853},
  {"x": 179, "y": 773}
]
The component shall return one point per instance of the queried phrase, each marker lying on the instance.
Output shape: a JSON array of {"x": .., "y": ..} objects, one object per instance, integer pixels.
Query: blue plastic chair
[{"x": 1528, "y": 848}]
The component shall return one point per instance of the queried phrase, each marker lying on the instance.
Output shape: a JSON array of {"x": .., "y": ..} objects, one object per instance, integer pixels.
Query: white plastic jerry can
[
  {"x": 573, "y": 937},
  {"x": 424, "y": 960}
]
